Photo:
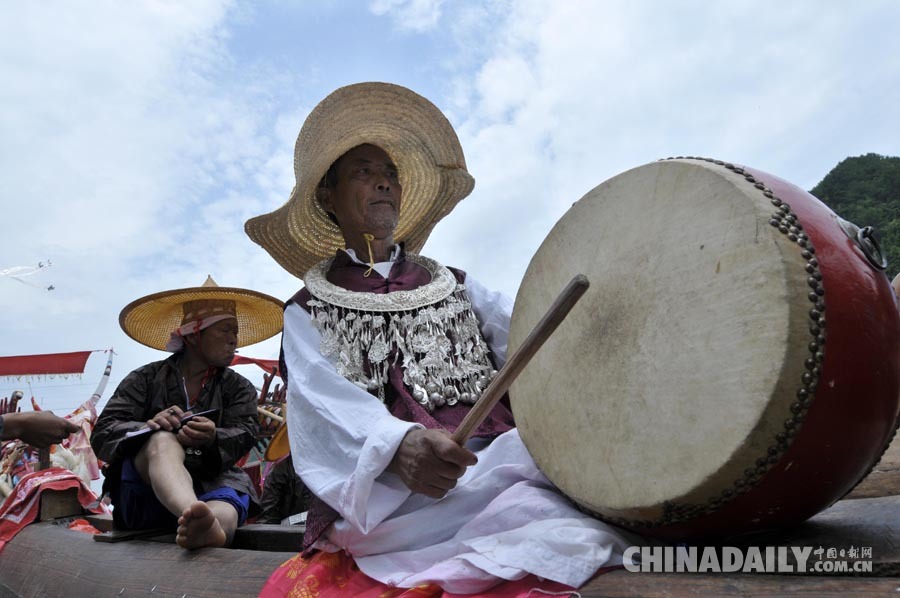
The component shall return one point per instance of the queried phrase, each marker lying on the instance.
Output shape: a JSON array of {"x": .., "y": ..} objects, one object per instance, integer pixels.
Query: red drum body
[{"x": 735, "y": 365}]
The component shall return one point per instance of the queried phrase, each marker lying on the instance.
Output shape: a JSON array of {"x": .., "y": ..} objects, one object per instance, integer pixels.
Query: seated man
[
  {"x": 384, "y": 353},
  {"x": 185, "y": 474},
  {"x": 285, "y": 497}
]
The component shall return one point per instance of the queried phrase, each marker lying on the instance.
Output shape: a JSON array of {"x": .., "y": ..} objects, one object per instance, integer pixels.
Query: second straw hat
[{"x": 150, "y": 320}]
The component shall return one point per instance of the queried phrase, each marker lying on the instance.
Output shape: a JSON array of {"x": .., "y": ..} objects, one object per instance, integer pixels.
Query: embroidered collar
[
  {"x": 442, "y": 285},
  {"x": 430, "y": 333}
]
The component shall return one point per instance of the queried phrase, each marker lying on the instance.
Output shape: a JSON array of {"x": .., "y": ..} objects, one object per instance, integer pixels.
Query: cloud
[
  {"x": 413, "y": 15},
  {"x": 130, "y": 157},
  {"x": 567, "y": 94},
  {"x": 136, "y": 138}
]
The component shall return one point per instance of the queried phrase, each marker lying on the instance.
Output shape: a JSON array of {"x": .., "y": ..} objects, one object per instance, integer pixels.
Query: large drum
[{"x": 734, "y": 365}]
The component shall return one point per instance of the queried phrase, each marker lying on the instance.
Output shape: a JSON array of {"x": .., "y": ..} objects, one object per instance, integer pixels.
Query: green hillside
[{"x": 866, "y": 191}]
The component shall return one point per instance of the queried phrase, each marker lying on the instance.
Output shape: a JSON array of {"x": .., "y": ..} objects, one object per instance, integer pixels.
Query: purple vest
[{"x": 404, "y": 276}]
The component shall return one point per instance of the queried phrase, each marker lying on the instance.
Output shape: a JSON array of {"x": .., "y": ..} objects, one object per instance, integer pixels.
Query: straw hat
[
  {"x": 279, "y": 446},
  {"x": 414, "y": 133},
  {"x": 151, "y": 319}
]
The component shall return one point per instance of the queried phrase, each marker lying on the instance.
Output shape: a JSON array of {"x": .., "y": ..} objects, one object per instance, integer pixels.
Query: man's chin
[{"x": 383, "y": 228}]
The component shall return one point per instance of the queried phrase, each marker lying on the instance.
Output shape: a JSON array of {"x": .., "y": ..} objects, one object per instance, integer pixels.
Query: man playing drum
[{"x": 385, "y": 351}]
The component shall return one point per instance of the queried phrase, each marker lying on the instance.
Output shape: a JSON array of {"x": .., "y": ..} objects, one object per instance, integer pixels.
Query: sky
[{"x": 136, "y": 138}]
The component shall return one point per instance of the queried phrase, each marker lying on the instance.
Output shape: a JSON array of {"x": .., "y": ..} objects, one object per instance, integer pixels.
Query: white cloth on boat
[{"x": 502, "y": 521}]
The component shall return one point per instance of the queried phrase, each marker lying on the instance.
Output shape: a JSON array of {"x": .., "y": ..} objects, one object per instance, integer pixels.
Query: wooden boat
[{"x": 46, "y": 559}]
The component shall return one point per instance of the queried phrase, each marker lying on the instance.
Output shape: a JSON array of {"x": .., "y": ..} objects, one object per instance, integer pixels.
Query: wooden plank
[
  {"x": 873, "y": 522},
  {"x": 867, "y": 522},
  {"x": 104, "y": 523},
  {"x": 884, "y": 479},
  {"x": 253, "y": 536},
  {"x": 121, "y": 535},
  {"x": 869, "y": 517},
  {"x": 266, "y": 536},
  {"x": 46, "y": 559}
]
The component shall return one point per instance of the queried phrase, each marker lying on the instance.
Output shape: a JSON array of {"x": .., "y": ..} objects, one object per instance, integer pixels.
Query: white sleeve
[
  {"x": 342, "y": 438},
  {"x": 493, "y": 310}
]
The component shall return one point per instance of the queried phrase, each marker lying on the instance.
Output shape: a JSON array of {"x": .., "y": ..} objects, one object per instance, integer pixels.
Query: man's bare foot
[{"x": 198, "y": 527}]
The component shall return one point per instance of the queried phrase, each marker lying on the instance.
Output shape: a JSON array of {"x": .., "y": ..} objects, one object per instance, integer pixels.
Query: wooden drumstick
[
  {"x": 270, "y": 415},
  {"x": 517, "y": 362}
]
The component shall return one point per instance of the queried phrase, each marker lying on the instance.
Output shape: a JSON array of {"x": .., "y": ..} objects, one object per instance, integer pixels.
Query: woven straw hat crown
[
  {"x": 414, "y": 133},
  {"x": 151, "y": 319},
  {"x": 279, "y": 446}
]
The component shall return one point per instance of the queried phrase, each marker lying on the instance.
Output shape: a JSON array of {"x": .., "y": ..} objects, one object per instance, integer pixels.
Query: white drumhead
[{"x": 669, "y": 377}]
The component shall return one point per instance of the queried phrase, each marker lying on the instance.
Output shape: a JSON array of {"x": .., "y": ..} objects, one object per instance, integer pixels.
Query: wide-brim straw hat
[
  {"x": 150, "y": 320},
  {"x": 279, "y": 446},
  {"x": 414, "y": 133}
]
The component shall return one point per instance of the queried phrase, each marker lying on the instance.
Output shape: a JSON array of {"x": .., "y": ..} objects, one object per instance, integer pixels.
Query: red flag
[
  {"x": 50, "y": 363},
  {"x": 266, "y": 364}
]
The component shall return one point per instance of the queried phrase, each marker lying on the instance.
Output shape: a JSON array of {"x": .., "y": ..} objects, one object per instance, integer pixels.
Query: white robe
[{"x": 502, "y": 521}]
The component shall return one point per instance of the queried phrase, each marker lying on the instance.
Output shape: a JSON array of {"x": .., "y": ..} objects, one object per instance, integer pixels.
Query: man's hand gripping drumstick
[{"x": 431, "y": 461}]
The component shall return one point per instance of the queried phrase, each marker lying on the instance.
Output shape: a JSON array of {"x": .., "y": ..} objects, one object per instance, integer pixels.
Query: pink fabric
[
  {"x": 79, "y": 442},
  {"x": 83, "y": 525},
  {"x": 176, "y": 337},
  {"x": 335, "y": 575},
  {"x": 22, "y": 506}
]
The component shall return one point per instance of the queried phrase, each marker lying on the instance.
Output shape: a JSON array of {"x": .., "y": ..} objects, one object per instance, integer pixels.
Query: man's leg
[{"x": 161, "y": 464}]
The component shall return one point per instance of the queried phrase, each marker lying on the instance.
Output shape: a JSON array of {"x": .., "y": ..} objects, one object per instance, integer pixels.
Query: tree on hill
[{"x": 866, "y": 191}]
